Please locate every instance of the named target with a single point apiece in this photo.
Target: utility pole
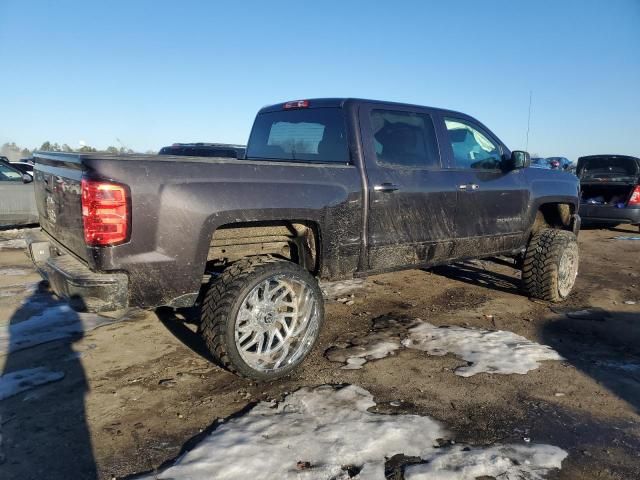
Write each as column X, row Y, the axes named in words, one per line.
column 528, row 121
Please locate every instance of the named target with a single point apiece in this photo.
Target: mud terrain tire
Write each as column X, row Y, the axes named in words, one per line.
column 256, row 311
column 550, row 265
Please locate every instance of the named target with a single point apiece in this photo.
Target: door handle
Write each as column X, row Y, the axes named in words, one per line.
column 471, row 186
column 462, row 187
column 385, row 187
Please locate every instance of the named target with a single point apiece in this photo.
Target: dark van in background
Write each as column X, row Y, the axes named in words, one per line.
column 610, row 187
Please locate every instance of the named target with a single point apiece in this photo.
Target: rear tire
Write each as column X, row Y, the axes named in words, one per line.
column 550, row 265
column 261, row 317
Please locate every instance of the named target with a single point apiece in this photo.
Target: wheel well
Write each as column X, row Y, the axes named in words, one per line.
column 297, row 241
column 553, row 215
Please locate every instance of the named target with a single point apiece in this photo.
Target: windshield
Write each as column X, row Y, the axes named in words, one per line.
column 608, row 167
column 304, row 135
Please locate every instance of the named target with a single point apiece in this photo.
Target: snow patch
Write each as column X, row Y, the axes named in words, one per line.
column 13, row 244
column 332, row 290
column 54, row 323
column 486, row 350
column 22, row 380
column 508, row 462
column 16, row 271
column 317, row 433
column 8, row 293
column 383, row 340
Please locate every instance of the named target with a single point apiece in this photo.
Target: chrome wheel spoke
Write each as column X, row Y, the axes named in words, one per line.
column 245, row 336
column 260, row 342
column 279, row 295
column 567, row 271
column 252, row 298
column 283, row 356
column 250, row 344
column 283, row 322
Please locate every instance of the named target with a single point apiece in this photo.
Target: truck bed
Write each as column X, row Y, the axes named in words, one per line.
column 177, row 202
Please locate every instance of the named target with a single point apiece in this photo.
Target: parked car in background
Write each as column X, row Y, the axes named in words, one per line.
column 561, row 163
column 610, row 186
column 17, row 199
column 4, row 159
column 220, row 150
column 23, row 166
column 330, row 189
column 539, row 162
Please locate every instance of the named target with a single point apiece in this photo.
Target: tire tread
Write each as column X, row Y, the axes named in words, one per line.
column 540, row 265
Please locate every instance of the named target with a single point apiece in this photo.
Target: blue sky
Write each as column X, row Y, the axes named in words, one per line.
column 150, row 73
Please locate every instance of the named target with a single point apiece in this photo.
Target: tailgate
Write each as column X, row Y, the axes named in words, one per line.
column 57, row 184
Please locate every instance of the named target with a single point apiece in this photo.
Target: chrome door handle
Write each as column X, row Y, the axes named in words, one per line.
column 385, row 187
column 474, row 186
column 462, row 187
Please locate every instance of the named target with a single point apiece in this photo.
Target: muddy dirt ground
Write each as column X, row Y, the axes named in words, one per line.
column 138, row 392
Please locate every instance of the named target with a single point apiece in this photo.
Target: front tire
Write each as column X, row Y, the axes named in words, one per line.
column 550, row 265
column 262, row 316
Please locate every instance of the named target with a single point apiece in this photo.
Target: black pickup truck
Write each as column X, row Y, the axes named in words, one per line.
column 328, row 189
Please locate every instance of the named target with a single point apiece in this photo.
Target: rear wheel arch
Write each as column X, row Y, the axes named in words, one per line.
column 298, row 241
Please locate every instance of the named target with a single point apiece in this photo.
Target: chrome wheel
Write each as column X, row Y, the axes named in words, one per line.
column 567, row 270
column 276, row 323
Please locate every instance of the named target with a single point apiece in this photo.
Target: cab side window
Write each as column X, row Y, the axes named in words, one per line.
column 471, row 148
column 404, row 139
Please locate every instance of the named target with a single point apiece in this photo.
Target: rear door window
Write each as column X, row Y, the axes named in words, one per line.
column 404, row 139
column 305, row 135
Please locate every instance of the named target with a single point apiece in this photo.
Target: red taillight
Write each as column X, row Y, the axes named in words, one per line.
column 634, row 199
column 105, row 213
column 296, row 104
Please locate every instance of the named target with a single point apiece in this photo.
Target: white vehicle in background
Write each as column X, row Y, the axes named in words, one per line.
column 24, row 165
column 17, row 197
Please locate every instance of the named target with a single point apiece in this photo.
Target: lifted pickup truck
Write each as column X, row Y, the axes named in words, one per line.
column 329, row 189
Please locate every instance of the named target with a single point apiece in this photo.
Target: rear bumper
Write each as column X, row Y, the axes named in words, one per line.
column 609, row 214
column 72, row 280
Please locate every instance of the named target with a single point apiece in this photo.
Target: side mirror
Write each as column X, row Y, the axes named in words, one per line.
column 518, row 159
column 26, row 178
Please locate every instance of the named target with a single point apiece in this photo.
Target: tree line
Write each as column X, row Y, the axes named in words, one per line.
column 14, row 152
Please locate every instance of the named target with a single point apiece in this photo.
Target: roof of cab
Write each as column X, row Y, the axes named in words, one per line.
column 339, row 103
column 313, row 103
